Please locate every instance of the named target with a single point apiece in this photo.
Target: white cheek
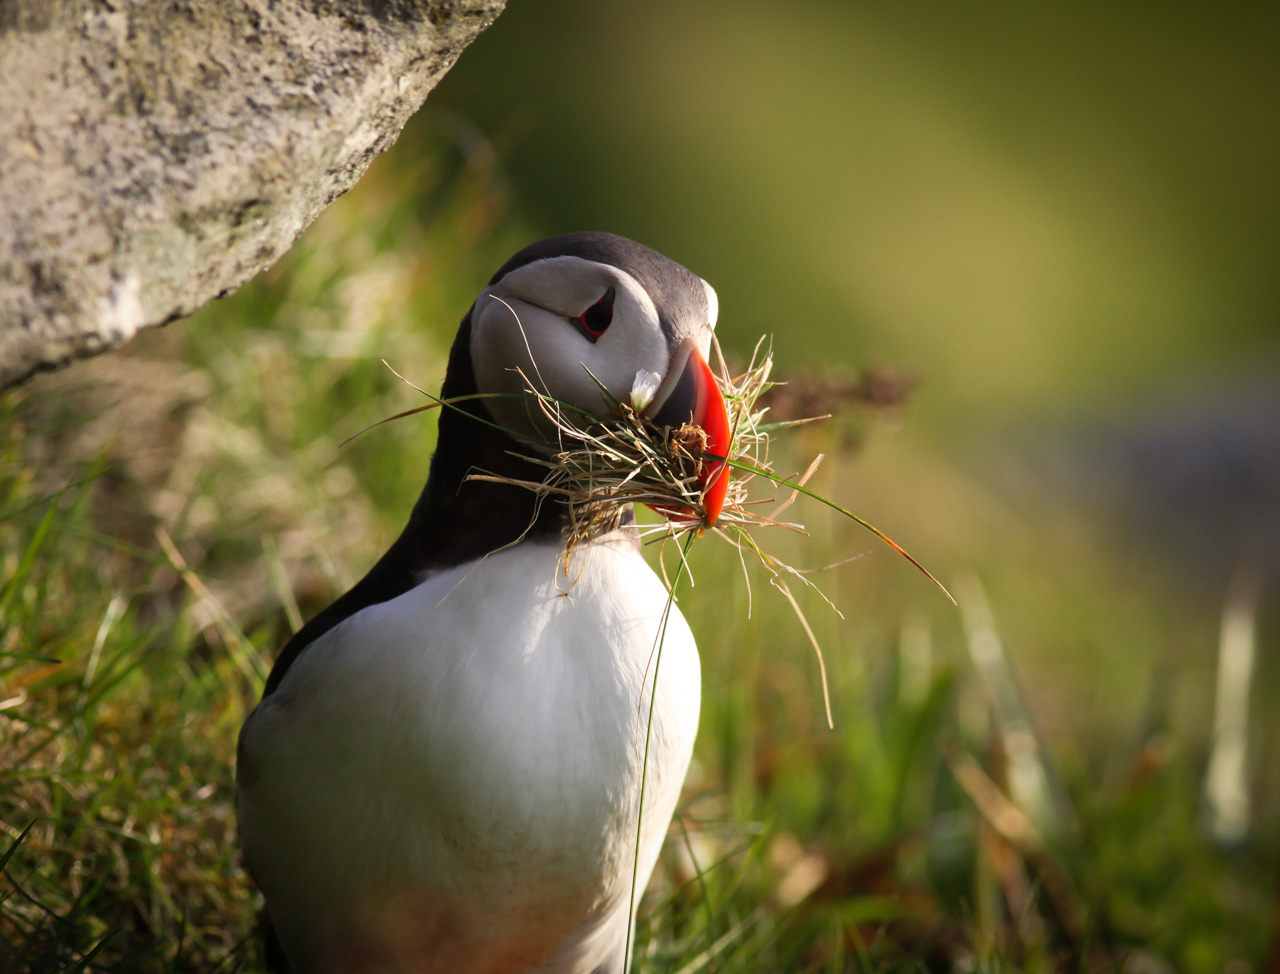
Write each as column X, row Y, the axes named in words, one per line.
column 515, row 346
column 628, row 346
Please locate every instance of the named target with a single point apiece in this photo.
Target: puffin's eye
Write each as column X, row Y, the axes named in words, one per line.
column 598, row 317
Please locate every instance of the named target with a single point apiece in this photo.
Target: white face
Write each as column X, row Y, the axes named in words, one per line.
column 526, row 323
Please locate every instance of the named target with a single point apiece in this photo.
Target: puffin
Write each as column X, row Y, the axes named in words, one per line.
column 444, row 773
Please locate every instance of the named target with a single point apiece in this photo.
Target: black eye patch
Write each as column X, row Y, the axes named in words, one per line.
column 596, row 319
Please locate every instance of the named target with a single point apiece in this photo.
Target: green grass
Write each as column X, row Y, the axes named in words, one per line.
column 920, row 834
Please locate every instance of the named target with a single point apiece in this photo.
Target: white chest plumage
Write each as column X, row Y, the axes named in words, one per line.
column 448, row 781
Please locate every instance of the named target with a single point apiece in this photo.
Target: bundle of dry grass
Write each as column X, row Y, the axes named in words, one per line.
column 600, row 465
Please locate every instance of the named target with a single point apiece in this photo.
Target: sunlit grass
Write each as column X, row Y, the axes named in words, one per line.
column 117, row 733
column 167, row 518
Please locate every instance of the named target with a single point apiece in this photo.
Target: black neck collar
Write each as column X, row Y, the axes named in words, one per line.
column 457, row 520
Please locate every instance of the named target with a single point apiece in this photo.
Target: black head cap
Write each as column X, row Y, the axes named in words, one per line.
column 679, row 294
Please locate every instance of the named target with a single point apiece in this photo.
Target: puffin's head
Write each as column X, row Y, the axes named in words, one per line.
column 571, row 314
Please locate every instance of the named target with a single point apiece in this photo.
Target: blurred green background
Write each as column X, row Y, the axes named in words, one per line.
column 1048, row 207
column 1056, row 224
column 1063, row 220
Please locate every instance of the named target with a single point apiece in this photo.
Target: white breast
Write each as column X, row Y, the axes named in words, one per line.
column 452, row 776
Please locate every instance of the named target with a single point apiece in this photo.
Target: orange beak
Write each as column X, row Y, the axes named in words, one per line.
column 689, row 394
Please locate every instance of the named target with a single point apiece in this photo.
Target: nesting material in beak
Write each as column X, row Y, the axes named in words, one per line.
column 667, row 445
column 689, row 405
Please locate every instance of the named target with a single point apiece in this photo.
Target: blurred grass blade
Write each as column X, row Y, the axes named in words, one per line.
column 1226, row 785
column 280, row 580
column 97, row 949
column 702, row 961
column 15, row 581
column 13, row 846
column 35, row 657
column 241, row 650
column 1030, row 783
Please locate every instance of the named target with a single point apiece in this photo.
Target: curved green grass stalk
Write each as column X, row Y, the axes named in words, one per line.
column 770, row 475
column 644, row 764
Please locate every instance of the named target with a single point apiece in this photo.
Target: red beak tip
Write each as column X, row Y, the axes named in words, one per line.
column 713, row 494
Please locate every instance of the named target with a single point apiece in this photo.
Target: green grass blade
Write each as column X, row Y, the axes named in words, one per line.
column 13, row 846
column 648, row 737
column 10, row 590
